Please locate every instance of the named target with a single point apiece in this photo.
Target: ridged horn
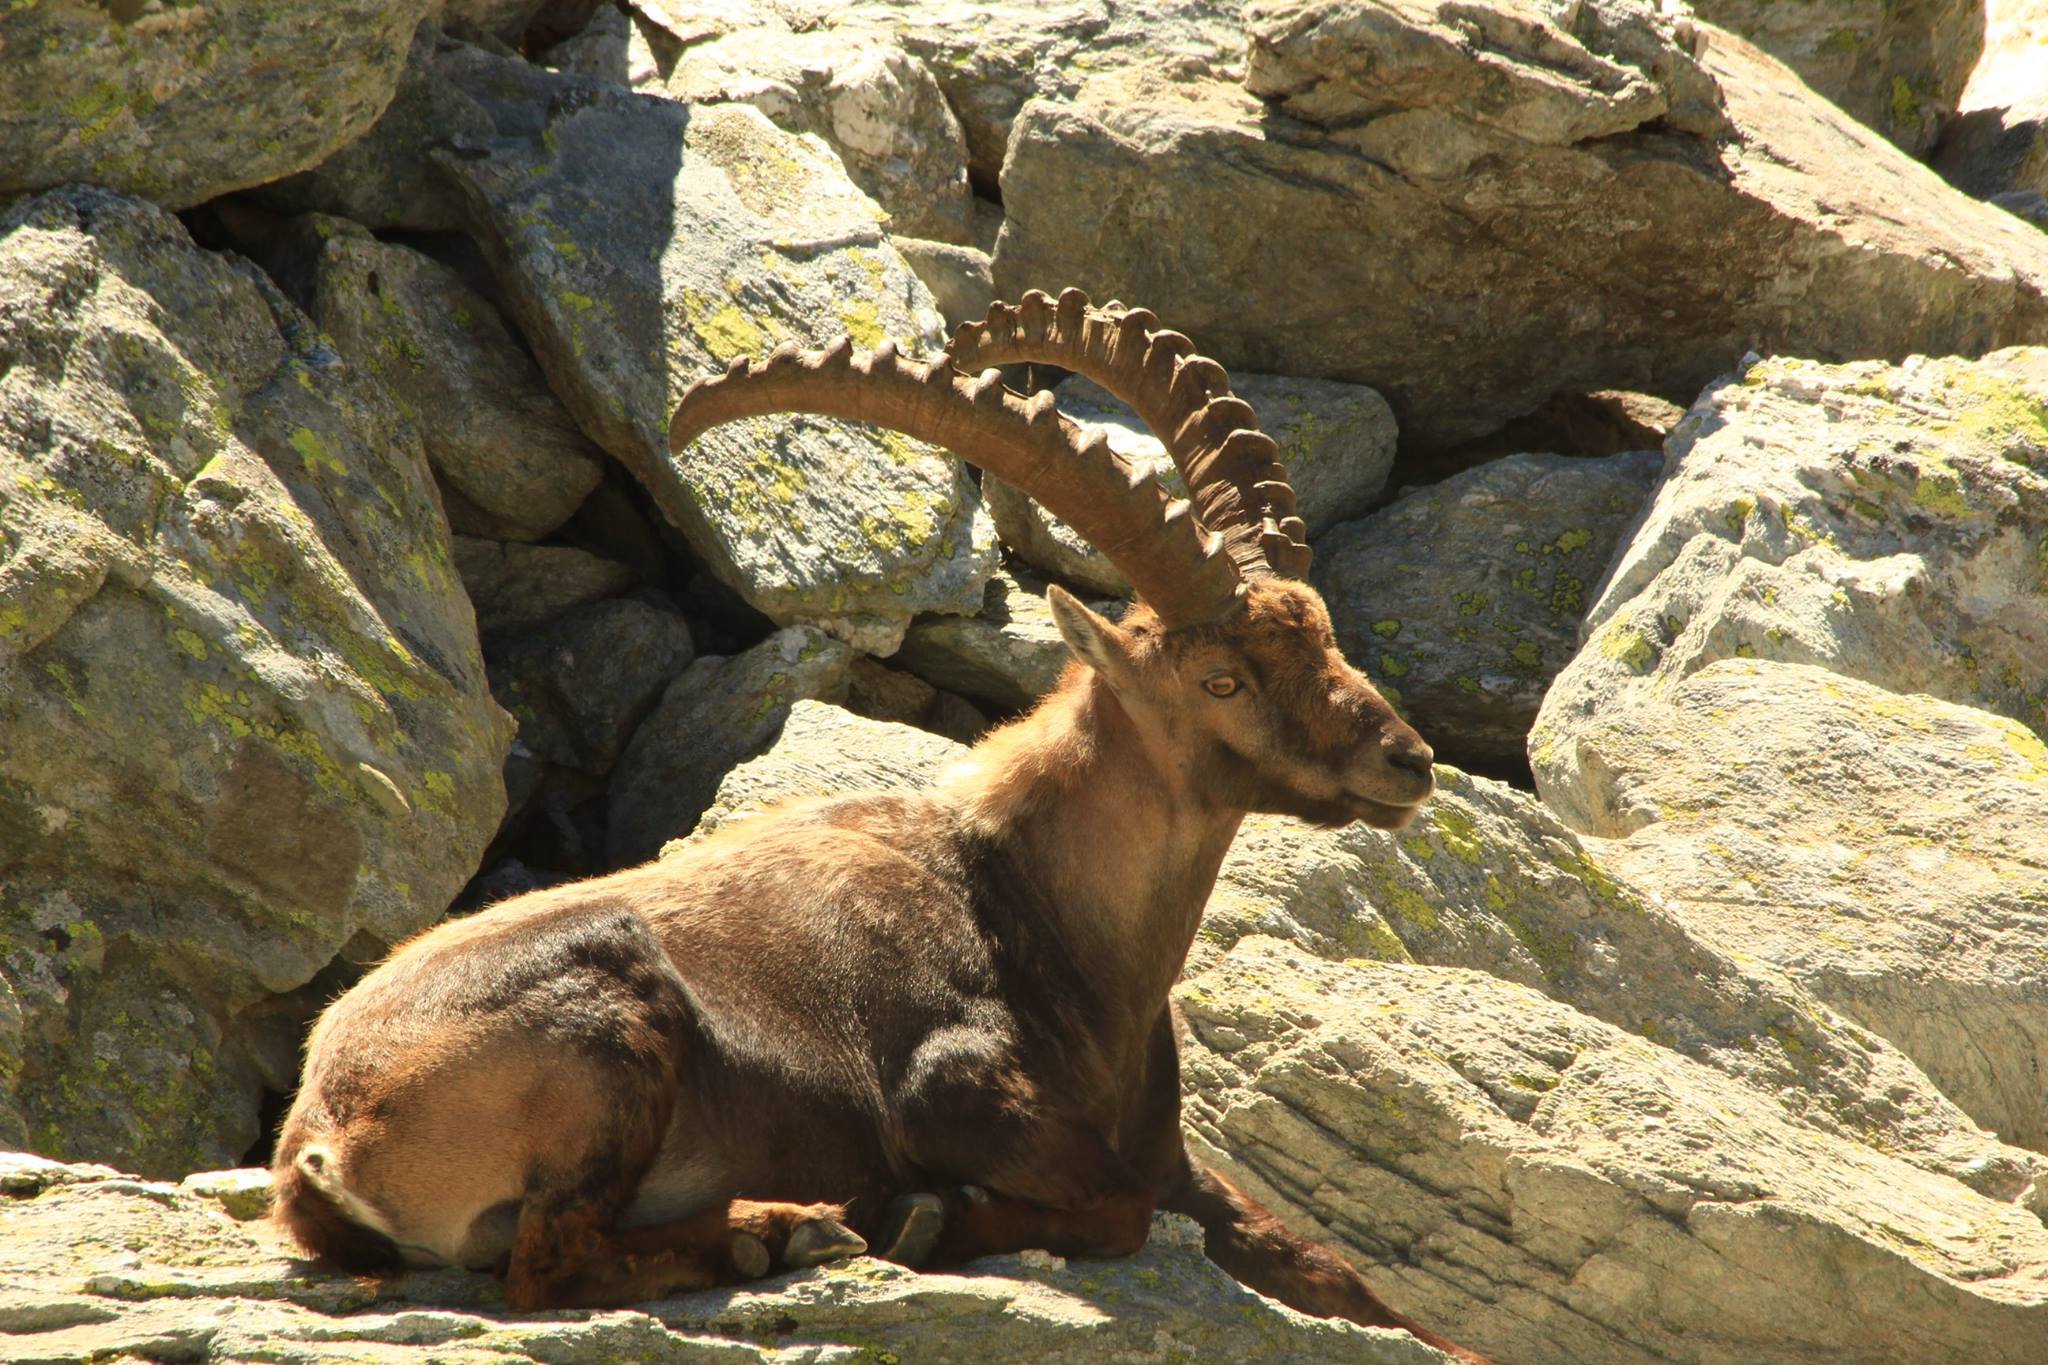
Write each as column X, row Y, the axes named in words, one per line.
column 1233, row 470
column 1154, row 539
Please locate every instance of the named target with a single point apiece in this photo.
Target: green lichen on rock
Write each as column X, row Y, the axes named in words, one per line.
column 654, row 297
column 183, row 102
column 236, row 663
column 1522, row 536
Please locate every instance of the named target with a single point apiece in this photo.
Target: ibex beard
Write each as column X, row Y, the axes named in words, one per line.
column 933, row 1023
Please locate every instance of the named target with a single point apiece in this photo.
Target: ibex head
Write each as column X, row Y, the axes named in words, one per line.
column 1261, row 705
column 1228, row 657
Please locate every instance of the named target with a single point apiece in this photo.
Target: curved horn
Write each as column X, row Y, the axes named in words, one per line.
column 1233, row 469
column 1153, row 539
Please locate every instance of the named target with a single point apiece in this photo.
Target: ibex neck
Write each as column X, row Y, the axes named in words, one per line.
column 1122, row 841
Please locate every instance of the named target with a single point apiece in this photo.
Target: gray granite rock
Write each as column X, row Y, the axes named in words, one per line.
column 243, row 717
column 182, row 102
column 1464, row 598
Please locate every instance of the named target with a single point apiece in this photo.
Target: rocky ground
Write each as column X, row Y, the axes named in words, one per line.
column 1666, row 386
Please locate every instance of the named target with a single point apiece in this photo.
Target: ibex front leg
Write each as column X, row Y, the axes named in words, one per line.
column 1259, row 1251
column 1013, row 1172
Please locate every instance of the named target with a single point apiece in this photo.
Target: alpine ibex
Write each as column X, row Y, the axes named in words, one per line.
column 936, row 1023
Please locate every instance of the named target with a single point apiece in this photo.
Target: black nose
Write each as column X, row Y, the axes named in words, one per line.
column 1410, row 755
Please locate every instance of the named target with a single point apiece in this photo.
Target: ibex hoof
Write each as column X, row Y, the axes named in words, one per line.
column 749, row 1255
column 914, row 1224
column 820, row 1240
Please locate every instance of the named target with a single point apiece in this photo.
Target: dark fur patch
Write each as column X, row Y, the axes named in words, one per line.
column 318, row 1225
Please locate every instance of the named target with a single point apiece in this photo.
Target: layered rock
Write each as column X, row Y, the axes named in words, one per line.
column 1549, row 1188
column 244, row 723
column 1470, row 209
column 1899, row 68
column 99, row 1265
column 1804, row 701
column 1522, row 543
column 1336, row 440
column 182, row 102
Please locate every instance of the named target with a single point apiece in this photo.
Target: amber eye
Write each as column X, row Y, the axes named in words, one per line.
column 1220, row 684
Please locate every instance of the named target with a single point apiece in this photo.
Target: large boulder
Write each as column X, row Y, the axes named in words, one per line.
column 1463, row 599
column 1337, row 441
column 1885, row 522
column 243, row 720
column 1997, row 145
column 1553, row 1189
column 97, row 1265
column 1471, row 207
column 1900, row 68
column 1883, row 849
column 988, row 56
column 180, row 102
column 1851, row 559
column 642, row 245
column 510, row 459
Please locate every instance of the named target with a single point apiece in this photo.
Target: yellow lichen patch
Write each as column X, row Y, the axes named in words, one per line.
column 315, row 453
column 1627, row 647
column 863, row 322
column 1459, row 833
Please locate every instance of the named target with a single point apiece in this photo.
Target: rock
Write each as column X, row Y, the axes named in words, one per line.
column 1523, row 541
column 1673, row 1031
column 451, row 95
column 1603, row 422
column 991, row 56
column 721, row 710
column 874, row 103
column 1883, row 849
column 516, row 586
column 183, row 102
column 1337, row 441
column 243, row 718
column 244, row 1193
column 109, row 1266
column 1898, row 68
column 958, row 277
column 580, row 684
column 2030, row 205
column 825, row 750
column 1007, row 657
column 1884, row 522
column 1549, row 1188
column 501, row 19
column 1863, row 533
column 880, row 692
column 512, row 459
column 1998, row 142
column 1596, row 208
column 642, row 245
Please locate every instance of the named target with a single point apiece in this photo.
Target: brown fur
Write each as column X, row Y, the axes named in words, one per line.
column 646, row 1081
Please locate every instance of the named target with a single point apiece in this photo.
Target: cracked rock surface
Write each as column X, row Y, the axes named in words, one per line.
column 97, row 1265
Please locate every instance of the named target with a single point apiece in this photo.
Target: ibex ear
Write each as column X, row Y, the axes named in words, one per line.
column 1094, row 640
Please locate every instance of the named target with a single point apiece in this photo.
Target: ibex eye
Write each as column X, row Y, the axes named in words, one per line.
column 1220, row 684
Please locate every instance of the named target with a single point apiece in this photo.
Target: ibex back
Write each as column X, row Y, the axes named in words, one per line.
column 938, row 1022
